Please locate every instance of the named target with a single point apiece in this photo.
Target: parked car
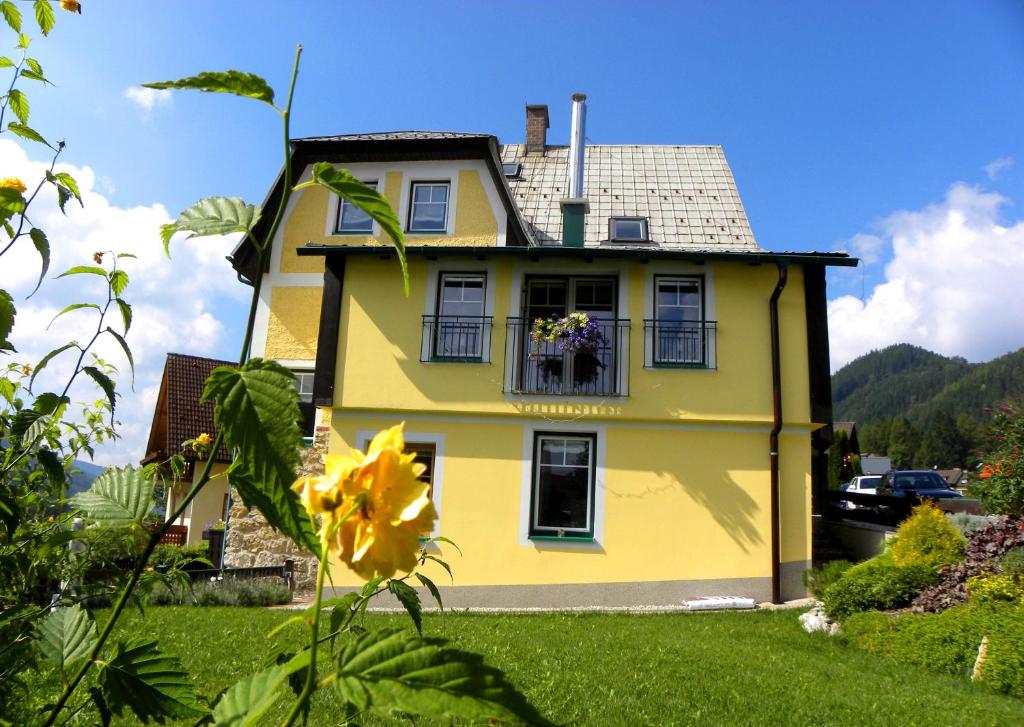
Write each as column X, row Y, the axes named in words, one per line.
column 861, row 484
column 922, row 483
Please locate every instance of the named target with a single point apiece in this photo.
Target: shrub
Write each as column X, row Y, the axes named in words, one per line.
column 1013, row 562
column 948, row 642
column 995, row 589
column 986, row 547
column 965, row 522
column 816, row 580
column 928, row 538
column 176, row 556
column 875, row 584
column 999, row 483
column 228, row 592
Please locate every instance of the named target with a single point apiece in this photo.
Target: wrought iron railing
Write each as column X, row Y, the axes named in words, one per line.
column 679, row 344
column 545, row 367
column 457, row 338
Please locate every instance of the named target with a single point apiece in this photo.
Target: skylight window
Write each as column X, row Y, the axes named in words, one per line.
column 628, row 229
column 511, row 170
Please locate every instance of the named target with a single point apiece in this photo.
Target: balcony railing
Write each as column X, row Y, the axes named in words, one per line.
column 545, row 368
column 457, row 338
column 679, row 344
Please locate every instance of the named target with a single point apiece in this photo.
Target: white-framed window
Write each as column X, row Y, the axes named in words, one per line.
column 679, row 326
column 627, row 229
column 304, row 385
column 428, row 207
column 562, row 496
column 459, row 332
column 352, row 220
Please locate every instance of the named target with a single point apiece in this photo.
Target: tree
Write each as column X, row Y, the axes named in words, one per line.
column 942, row 446
column 904, row 441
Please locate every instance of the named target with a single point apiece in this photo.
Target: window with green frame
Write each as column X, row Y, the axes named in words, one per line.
column 562, row 494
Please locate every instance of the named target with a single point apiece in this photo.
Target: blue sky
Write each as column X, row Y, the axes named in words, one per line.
column 865, row 126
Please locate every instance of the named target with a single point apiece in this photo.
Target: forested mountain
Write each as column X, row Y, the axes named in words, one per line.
column 920, row 408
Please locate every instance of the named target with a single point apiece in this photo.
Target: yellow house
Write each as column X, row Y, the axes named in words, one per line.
column 662, row 447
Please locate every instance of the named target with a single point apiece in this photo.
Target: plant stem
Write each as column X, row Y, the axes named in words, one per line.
column 307, row 690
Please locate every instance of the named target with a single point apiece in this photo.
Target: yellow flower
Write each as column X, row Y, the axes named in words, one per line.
column 26, row 369
column 374, row 507
column 72, row 6
column 203, row 440
column 13, row 183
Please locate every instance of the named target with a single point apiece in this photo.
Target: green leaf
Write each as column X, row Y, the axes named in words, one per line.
column 393, row 670
column 33, row 65
column 6, row 62
column 239, row 83
column 11, row 202
column 29, row 73
column 7, row 314
column 21, row 422
column 47, row 358
column 23, row 41
column 51, row 404
column 68, row 181
column 370, row 201
column 127, row 351
column 11, row 14
column 408, row 597
column 126, row 313
column 104, row 382
column 101, row 706
column 84, row 270
column 66, row 634
column 149, row 682
column 19, row 105
column 119, row 497
column 53, row 466
column 118, row 281
column 36, row 429
column 212, row 216
column 249, row 699
column 44, row 16
column 43, row 248
column 72, row 307
column 26, row 132
column 430, row 586
column 428, row 556
column 257, row 409
column 442, row 539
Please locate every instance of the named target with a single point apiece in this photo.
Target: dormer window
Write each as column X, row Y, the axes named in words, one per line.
column 429, row 209
column 351, row 219
column 627, row 229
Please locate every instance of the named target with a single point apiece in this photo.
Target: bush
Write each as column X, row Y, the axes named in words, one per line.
column 1013, row 562
column 176, row 556
column 999, row 483
column 228, row 592
column 816, row 580
column 965, row 522
column 995, row 589
column 928, row 538
column 876, row 584
column 948, row 642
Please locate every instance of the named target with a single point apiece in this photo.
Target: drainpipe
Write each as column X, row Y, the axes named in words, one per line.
column 773, row 437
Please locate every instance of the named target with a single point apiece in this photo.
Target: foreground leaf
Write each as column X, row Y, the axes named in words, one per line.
column 408, row 597
column 11, row 14
column 19, row 105
column 239, row 83
column 104, row 382
column 394, row 670
column 246, row 701
column 118, row 497
column 432, row 587
column 47, row 358
column 257, row 409
column 124, row 347
column 44, row 16
column 27, row 132
column 66, row 634
column 212, row 216
column 370, row 201
column 7, row 313
column 150, row 683
column 42, row 246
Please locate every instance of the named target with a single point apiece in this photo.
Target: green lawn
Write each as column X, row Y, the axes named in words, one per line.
column 601, row 669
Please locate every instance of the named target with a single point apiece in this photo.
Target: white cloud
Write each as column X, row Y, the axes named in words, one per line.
column 867, row 247
column 184, row 304
column 996, row 167
column 148, row 99
column 952, row 285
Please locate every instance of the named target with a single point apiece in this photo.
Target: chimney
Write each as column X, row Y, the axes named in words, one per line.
column 576, row 206
column 536, row 127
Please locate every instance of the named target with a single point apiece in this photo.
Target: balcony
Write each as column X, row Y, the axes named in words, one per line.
column 462, row 339
column 679, row 344
column 545, row 368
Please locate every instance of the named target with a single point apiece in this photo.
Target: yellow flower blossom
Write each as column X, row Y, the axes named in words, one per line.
column 204, row 439
column 26, row 369
column 13, row 183
column 72, row 6
column 373, row 506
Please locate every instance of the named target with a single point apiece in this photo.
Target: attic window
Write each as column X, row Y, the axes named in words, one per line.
column 511, row 170
column 627, row 229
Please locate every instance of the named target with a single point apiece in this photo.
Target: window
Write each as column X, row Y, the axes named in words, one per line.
column 353, row 220
column 428, row 210
column 511, row 170
column 304, row 385
column 460, row 317
column 562, row 498
column 628, row 229
column 679, row 325
column 424, row 455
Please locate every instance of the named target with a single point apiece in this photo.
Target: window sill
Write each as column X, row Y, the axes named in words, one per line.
column 566, row 538
column 690, row 366
column 457, row 359
column 354, row 233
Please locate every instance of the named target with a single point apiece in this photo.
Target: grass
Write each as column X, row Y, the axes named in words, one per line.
column 618, row 669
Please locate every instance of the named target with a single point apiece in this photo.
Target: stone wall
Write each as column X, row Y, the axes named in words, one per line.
column 251, row 542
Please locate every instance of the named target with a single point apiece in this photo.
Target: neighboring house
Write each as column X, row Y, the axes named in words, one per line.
column 675, row 459
column 179, row 417
column 875, row 464
column 955, row 478
column 850, row 429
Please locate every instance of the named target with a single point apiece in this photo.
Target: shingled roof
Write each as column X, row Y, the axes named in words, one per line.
column 179, row 415
column 687, row 194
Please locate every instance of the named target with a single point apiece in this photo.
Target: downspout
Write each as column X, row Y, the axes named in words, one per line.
column 773, row 437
